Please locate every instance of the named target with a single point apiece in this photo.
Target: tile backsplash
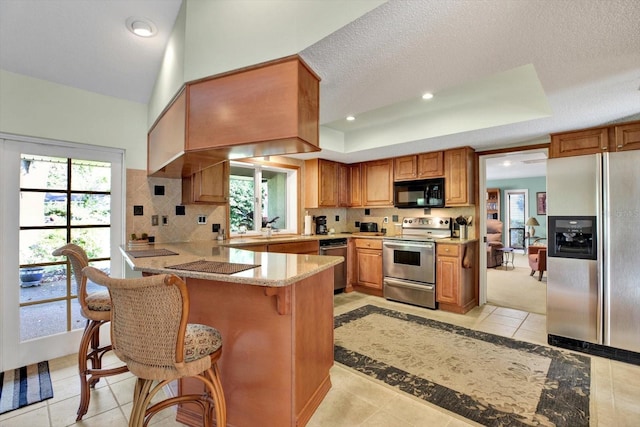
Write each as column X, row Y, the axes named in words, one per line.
column 163, row 197
column 348, row 217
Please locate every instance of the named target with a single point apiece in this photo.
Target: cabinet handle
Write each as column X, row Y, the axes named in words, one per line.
column 604, row 148
column 620, row 146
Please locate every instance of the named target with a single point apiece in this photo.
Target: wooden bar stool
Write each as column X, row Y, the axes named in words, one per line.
column 96, row 308
column 151, row 335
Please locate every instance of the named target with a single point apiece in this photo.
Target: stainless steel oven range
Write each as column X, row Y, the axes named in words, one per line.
column 409, row 260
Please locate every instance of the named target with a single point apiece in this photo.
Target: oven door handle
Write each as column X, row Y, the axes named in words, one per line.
column 408, row 245
column 409, row 284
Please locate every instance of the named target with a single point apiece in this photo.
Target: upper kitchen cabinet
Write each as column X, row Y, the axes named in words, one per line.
column 405, row 168
column 268, row 109
column 355, row 185
column 321, row 183
column 458, row 177
column 344, row 185
column 620, row 137
column 577, row 143
column 627, row 136
column 420, row 166
column 377, row 183
column 207, row 186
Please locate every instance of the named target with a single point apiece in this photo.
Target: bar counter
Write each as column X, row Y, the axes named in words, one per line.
column 276, row 322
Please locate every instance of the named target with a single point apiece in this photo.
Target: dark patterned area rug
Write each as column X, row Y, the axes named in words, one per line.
column 493, row 380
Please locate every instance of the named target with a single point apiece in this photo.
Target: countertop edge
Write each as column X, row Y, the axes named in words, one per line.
column 240, row 277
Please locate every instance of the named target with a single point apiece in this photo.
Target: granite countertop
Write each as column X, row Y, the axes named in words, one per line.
column 273, row 269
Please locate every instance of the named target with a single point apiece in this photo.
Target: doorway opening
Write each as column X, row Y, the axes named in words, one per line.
column 515, row 177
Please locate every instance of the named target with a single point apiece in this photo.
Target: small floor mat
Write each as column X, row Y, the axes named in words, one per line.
column 150, row 253
column 24, row 386
column 214, row 267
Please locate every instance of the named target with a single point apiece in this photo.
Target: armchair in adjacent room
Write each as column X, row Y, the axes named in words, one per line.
column 537, row 260
column 494, row 242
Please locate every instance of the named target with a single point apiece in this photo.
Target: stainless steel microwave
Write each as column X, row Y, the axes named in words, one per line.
column 428, row 193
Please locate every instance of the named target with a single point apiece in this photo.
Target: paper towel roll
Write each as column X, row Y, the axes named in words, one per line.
column 307, row 225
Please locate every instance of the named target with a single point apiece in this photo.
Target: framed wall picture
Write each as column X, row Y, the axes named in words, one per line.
column 541, row 203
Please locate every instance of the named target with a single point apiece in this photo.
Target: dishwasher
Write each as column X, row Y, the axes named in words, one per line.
column 336, row 247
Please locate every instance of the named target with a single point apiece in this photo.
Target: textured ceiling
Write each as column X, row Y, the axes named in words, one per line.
column 582, row 62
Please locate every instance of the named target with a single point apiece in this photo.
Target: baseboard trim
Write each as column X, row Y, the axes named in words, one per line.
column 595, row 349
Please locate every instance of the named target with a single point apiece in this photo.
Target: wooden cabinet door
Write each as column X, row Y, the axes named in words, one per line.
column 447, row 280
column 355, row 185
column 327, row 185
column 377, row 178
column 431, row 165
column 369, row 268
column 627, row 137
column 578, row 143
column 405, row 168
column 208, row 186
column 320, row 183
column 458, row 183
column 344, row 185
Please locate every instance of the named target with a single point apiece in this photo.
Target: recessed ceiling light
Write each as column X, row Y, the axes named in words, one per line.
column 427, row 95
column 350, row 118
column 141, row 26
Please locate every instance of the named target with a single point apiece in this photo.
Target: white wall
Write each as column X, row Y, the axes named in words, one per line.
column 33, row 107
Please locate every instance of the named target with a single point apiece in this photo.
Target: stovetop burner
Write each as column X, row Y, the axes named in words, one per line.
column 426, row 228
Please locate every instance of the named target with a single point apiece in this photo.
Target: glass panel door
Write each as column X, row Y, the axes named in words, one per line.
column 53, row 195
column 516, row 217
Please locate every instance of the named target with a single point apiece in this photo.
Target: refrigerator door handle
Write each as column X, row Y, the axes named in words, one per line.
column 603, row 229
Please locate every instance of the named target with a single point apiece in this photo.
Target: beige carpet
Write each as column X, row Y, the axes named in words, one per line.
column 493, row 380
column 515, row 288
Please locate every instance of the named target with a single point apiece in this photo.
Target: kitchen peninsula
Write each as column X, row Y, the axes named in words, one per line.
column 276, row 320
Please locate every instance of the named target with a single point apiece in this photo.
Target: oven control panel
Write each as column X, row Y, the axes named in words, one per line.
column 427, row 222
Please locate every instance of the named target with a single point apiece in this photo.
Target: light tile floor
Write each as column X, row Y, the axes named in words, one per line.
column 354, row 400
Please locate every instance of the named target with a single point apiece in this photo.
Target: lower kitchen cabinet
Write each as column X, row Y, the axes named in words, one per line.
column 310, row 247
column 368, row 277
column 456, row 282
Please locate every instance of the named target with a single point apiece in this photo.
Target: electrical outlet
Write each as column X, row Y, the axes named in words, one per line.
column 202, row 219
column 357, row 223
column 385, row 220
column 165, row 220
column 215, row 228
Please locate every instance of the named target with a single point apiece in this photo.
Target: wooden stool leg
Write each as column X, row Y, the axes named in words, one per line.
column 85, row 392
column 213, row 374
column 140, row 396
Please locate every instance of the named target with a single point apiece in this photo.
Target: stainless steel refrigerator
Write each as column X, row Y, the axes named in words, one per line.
column 593, row 281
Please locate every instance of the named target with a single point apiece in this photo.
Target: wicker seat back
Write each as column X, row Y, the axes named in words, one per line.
column 96, row 308
column 148, row 324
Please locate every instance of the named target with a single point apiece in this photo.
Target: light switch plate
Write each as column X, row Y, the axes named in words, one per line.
column 154, row 220
column 165, row 220
column 202, row 219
